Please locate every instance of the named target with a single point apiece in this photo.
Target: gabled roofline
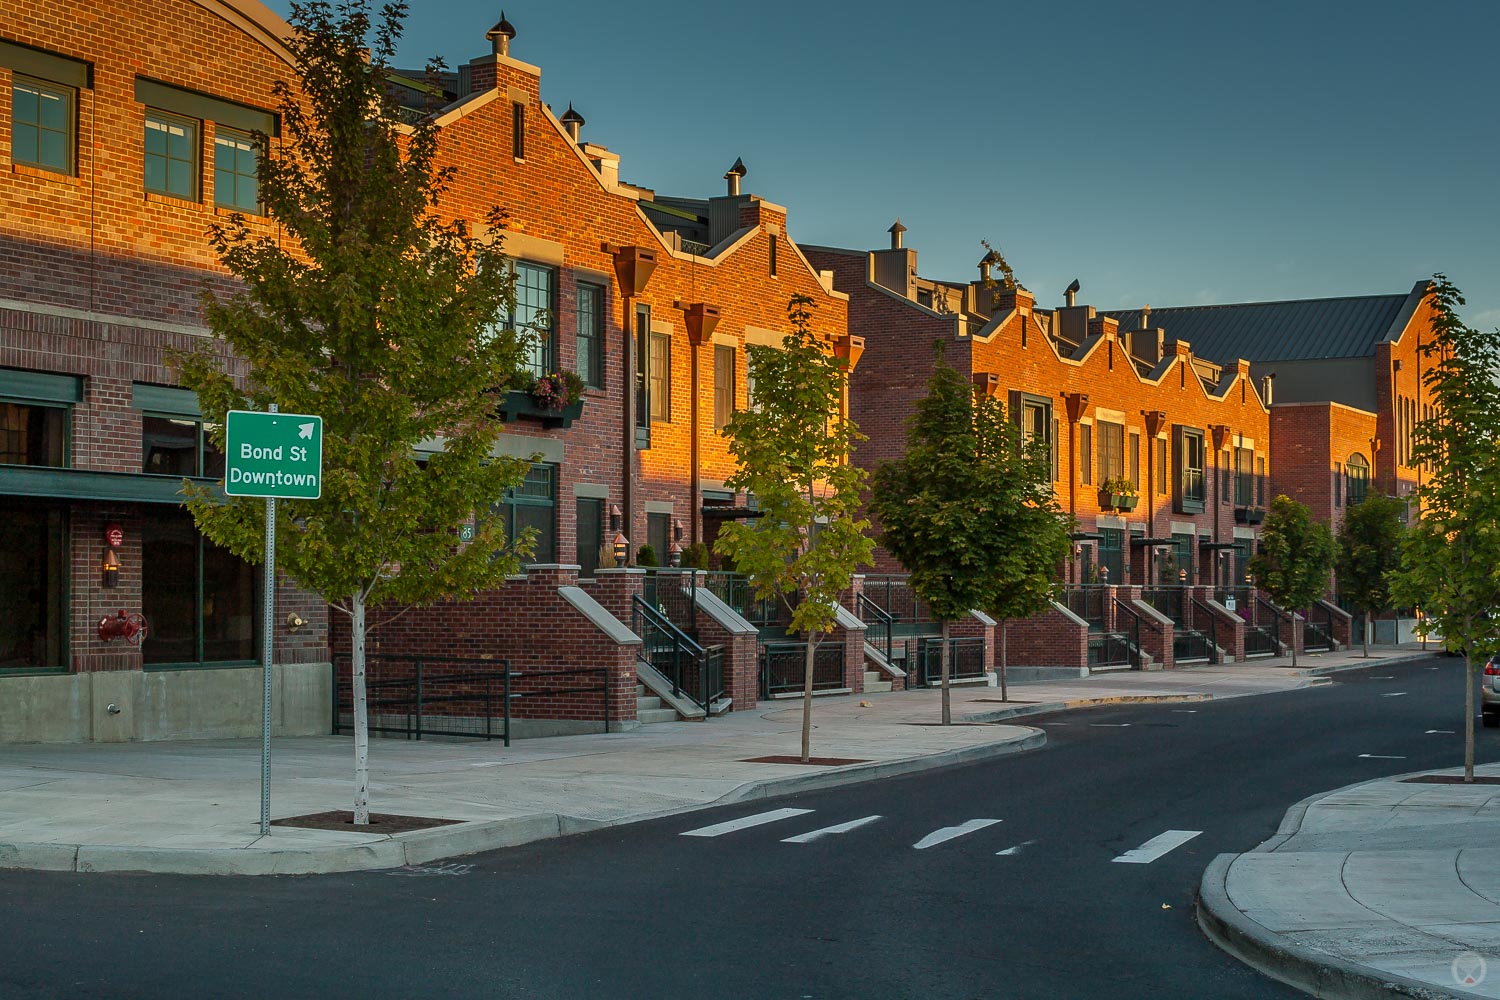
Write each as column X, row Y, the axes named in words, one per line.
column 1408, row 310
column 256, row 20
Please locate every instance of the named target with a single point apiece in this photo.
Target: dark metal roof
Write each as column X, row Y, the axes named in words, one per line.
column 1301, row 330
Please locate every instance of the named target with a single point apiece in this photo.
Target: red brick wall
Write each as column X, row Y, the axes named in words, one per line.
column 1051, row 639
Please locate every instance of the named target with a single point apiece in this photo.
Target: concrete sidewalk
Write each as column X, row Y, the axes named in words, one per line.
column 1384, row 888
column 192, row 807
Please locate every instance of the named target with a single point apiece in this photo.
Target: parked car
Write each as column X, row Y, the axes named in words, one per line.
column 1489, row 692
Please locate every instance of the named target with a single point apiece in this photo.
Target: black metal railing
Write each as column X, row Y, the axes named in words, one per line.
column 893, row 594
column 1110, row 649
column 1205, row 616
column 671, row 593
column 695, row 673
column 1240, row 600
column 1317, row 630
column 878, row 625
column 1169, row 600
column 1128, row 625
column 1087, row 601
column 1263, row 628
column 735, row 590
column 783, row 667
column 965, row 659
column 445, row 696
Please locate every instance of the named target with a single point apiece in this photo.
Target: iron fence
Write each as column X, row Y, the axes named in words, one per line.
column 965, row 659
column 783, row 667
column 735, row 590
column 1317, row 630
column 893, row 594
column 1087, row 601
column 1110, row 649
column 671, row 593
column 1205, row 615
column 1170, row 601
column 695, row 673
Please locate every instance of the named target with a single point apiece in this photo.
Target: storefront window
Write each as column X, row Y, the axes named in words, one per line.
column 33, row 588
column 198, row 597
column 179, row 446
column 31, row 434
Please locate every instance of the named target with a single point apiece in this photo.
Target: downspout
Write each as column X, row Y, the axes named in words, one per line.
column 627, row 456
column 1075, row 403
column 1220, row 434
column 694, row 507
column 1155, row 421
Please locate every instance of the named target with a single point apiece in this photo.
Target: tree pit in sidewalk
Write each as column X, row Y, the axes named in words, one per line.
column 1452, row 779
column 343, row 820
column 794, row 759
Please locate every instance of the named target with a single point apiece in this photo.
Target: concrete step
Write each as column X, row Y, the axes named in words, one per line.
column 646, row 702
column 875, row 681
column 640, row 689
column 652, row 715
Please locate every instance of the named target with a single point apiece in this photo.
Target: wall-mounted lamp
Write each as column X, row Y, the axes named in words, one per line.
column 294, row 621
column 614, row 517
column 622, row 548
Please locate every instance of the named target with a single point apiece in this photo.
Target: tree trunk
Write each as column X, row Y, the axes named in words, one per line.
column 943, row 667
column 1291, row 633
column 1004, row 624
column 1364, row 634
column 807, row 690
column 361, row 715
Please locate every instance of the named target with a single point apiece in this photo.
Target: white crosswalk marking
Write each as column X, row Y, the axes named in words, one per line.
column 948, row 833
column 809, row 837
column 1012, row 851
column 1157, row 846
column 745, row 822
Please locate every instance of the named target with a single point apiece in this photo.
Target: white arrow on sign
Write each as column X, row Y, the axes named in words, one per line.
column 305, row 430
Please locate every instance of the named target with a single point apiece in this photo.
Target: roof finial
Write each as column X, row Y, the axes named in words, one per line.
column 896, row 230
column 572, row 121
column 734, row 174
column 500, row 36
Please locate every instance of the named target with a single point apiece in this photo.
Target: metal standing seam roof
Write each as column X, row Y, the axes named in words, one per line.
column 1299, row 330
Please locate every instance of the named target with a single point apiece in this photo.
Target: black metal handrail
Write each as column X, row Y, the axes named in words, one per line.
column 893, row 594
column 1202, row 612
column 1128, row 626
column 877, row 622
column 694, row 672
column 671, row 591
column 1318, row 631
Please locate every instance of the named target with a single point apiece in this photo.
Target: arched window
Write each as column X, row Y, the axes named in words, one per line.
column 1358, row 471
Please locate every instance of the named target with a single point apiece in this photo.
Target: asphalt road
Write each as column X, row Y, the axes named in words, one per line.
column 644, row 911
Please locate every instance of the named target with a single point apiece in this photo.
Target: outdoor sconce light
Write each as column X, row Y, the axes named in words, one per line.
column 622, row 548
column 614, row 517
column 676, row 529
column 294, row 621
column 674, row 554
column 1104, row 573
column 1182, row 577
column 111, row 568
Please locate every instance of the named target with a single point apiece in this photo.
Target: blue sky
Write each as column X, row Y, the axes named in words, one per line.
column 1165, row 152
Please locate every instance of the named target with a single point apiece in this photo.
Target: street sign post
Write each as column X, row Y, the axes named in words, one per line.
column 277, row 456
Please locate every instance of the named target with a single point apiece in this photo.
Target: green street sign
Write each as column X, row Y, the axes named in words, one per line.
column 273, row 455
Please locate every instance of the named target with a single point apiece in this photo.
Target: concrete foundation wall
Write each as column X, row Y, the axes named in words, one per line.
column 164, row 705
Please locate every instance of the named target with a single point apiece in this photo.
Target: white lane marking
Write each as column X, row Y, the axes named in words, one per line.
column 1011, row 851
column 1445, row 732
column 1393, row 694
column 1184, row 711
column 948, row 833
column 807, row 838
column 1387, row 677
column 1109, row 725
column 1157, row 846
column 1380, row 756
column 745, row 822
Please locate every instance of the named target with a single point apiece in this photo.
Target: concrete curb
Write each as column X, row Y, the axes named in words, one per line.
column 423, row 846
column 1314, row 972
column 1043, row 708
column 1372, row 662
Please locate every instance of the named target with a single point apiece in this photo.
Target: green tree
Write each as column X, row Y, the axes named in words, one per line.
column 369, row 309
column 970, row 512
column 1295, row 555
column 792, row 449
column 1369, row 550
column 1450, row 562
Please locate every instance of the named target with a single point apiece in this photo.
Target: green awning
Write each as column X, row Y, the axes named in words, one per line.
column 84, row 484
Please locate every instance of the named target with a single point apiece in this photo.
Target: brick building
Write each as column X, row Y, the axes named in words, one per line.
column 122, row 137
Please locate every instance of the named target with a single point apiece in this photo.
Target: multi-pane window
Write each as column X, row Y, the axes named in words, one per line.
column 1111, row 451
column 723, row 385
column 236, row 182
column 1192, row 489
column 1037, row 427
column 42, row 116
column 1163, row 480
column 533, row 504
column 591, row 335
column 661, row 378
column 532, row 315
column 518, row 130
column 642, row 372
column 1086, row 453
column 1244, row 477
column 1112, row 555
column 1358, row 469
column 31, row 434
column 179, row 446
column 171, row 155
column 199, row 598
column 1135, row 460
column 1182, row 558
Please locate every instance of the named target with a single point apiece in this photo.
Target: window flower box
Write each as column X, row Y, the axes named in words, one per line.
column 519, row 404
column 1118, row 494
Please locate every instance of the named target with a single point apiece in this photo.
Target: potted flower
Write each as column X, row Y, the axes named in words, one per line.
column 1118, row 494
column 557, row 390
column 556, row 399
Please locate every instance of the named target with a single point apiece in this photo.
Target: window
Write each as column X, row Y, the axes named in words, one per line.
column 590, row 535
column 1163, row 479
column 33, row 607
column 723, row 385
column 1338, row 484
column 1111, row 451
column 533, row 504
column 1191, row 489
column 518, row 130
column 1358, row 469
column 1226, row 486
column 532, row 316
column 31, row 434
column 179, row 446
column 171, row 155
column 1112, row 555
column 236, row 184
column 659, row 536
column 1180, row 558
column 642, row 371
column 773, row 255
column 199, row 598
column 1086, row 453
column 1244, row 477
column 42, row 116
column 661, row 378
column 1037, row 425
column 591, row 335
column 1260, row 482
column 1135, row 460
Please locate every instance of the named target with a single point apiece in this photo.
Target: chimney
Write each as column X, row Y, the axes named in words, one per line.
column 1072, row 293
column 895, row 268
column 1146, row 316
column 1265, row 388
column 500, row 35
column 733, row 176
column 896, row 230
column 572, row 121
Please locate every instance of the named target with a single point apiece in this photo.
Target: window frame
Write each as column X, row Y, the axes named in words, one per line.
column 200, row 541
column 659, row 395
column 1357, row 471
column 1086, row 454
column 1111, row 438
column 230, row 134
column 67, row 429
column 1244, row 476
column 507, row 505
column 69, row 96
column 202, row 444
column 518, row 131
column 724, row 393
column 590, row 337
column 1191, row 479
column 544, row 340
column 1031, row 410
column 195, row 143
